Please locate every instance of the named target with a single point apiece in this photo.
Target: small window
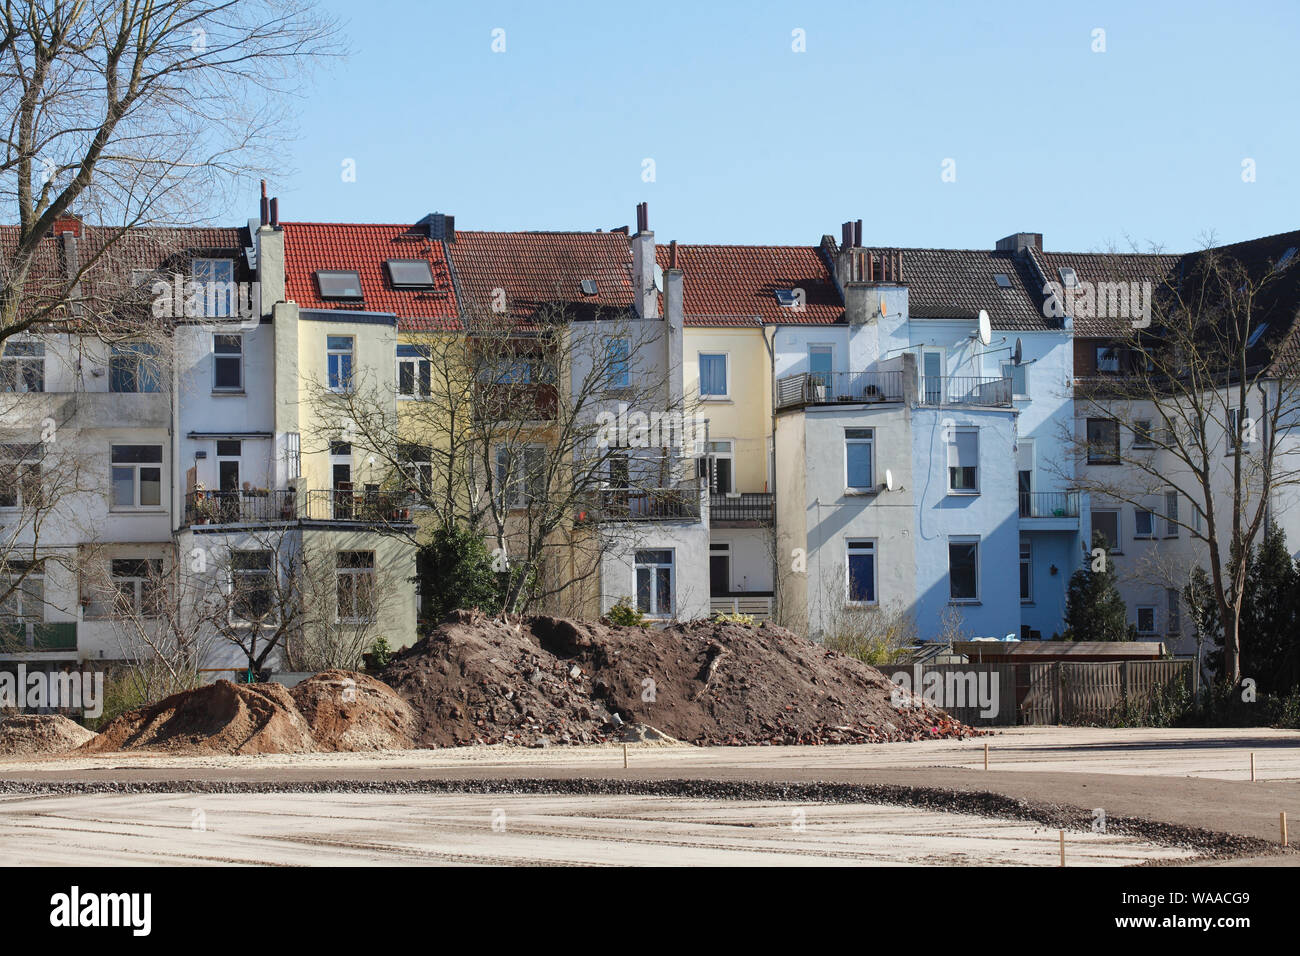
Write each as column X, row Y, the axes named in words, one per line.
column 858, row 452
column 1026, row 571
column 654, row 582
column 1142, row 523
column 617, row 351
column 356, row 585
column 1002, row 279
column 404, row 274
column 1107, row 359
column 787, row 298
column 1019, row 375
column 1173, row 615
column 1237, row 426
column 963, row 569
column 217, row 278
column 1146, row 620
column 22, row 366
column 1142, row 434
column 1068, row 277
column 136, row 476
column 339, row 284
column 589, row 287
column 338, row 350
column 521, row 475
column 134, row 368
column 415, row 463
column 1103, row 441
column 414, row 372
column 1171, row 514
column 861, row 563
column 252, row 586
column 713, row 375
column 1106, row 523
column 1285, row 259
column 20, row 476
column 1256, row 334
column 963, row 462
column 137, row 586
column 227, row 363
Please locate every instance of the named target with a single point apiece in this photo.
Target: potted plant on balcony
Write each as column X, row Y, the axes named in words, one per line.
column 204, row 507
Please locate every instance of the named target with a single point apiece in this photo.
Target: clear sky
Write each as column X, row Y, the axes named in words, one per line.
column 753, row 142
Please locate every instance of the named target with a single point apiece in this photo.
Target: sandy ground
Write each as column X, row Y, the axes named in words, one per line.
column 423, row 829
column 1186, row 778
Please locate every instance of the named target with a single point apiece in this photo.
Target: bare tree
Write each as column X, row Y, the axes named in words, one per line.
column 342, row 596
column 1207, row 385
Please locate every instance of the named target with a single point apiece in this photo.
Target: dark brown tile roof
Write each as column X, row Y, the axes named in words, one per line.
column 1098, row 267
column 729, row 285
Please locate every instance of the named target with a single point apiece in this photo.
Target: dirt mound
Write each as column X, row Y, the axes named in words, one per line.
column 219, row 718
column 35, row 734
column 543, row 680
column 348, row 711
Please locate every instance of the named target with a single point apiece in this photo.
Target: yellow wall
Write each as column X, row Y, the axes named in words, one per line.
column 745, row 416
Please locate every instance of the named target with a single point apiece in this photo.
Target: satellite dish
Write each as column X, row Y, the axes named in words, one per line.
column 1018, row 353
column 986, row 330
column 659, row 278
column 883, row 310
column 889, row 479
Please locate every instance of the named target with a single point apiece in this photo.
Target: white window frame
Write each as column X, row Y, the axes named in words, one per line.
column 331, row 352
column 726, row 376
column 708, row 469
column 204, row 272
column 415, row 361
column 965, row 539
column 1150, row 532
column 1009, row 371
column 948, row 453
column 273, row 571
column 139, row 586
column 238, row 358
column 870, row 441
column 515, row 494
column 31, row 355
column 654, row 610
column 354, row 576
column 23, row 470
column 623, row 381
column 820, row 348
column 862, row 546
column 136, row 467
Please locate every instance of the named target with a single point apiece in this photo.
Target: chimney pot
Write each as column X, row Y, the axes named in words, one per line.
column 857, row 233
column 275, row 211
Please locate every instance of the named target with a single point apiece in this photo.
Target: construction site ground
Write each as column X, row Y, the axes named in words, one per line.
column 1168, row 796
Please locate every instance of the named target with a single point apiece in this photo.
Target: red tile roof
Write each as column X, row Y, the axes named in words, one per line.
column 729, row 285
column 536, row 269
column 364, row 249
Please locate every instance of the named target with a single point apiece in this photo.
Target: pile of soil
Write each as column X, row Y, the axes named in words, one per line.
column 36, row 734
column 222, row 718
column 543, row 680
column 351, row 712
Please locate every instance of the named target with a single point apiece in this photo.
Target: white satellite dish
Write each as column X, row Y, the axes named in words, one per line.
column 659, row 278
column 986, row 330
column 889, row 480
column 1018, row 355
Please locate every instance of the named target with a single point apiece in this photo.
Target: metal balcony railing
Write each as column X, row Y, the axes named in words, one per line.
column 1049, row 504
column 239, row 507
column 333, row 504
column 824, row 388
column 964, row 390
column 645, row 504
column 759, row 508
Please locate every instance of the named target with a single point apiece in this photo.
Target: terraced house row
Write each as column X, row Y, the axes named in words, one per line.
column 787, row 431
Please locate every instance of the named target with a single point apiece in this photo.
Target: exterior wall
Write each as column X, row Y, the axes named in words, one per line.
column 745, row 416
column 690, row 546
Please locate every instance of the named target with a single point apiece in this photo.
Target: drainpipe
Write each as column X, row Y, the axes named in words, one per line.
column 771, row 395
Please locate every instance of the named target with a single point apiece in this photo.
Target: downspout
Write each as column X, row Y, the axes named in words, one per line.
column 771, row 397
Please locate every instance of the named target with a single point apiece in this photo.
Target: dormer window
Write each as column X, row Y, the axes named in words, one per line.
column 409, row 274
column 338, row 284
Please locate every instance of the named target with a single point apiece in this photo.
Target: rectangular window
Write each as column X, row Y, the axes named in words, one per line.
column 1236, row 424
column 820, row 362
column 356, row 585
column 858, row 452
column 217, row 278
column 1171, row 514
column 137, row 586
column 134, row 368
column 1103, row 441
column 25, row 603
column 1142, row 523
column 1107, row 523
column 521, row 475
column 339, row 284
column 414, row 376
column 617, row 354
column 338, row 349
column 716, row 466
column 137, row 476
column 713, row 375
column 1026, row 571
column 410, row 274
column 654, row 582
column 227, row 363
column 20, row 476
column 963, row 462
column 22, row 367
column 1142, row 434
column 1146, row 620
column 1019, row 375
column 416, row 463
column 252, row 586
column 1107, row 359
column 963, row 569
column 1173, row 615
column 861, row 562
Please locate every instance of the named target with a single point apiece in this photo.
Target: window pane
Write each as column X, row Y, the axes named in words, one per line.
column 150, row 486
column 961, row 569
column 664, row 591
column 132, row 454
column 643, row 589
column 859, row 464
column 124, row 487
column 1107, row 524
column 862, row 576
column 713, row 374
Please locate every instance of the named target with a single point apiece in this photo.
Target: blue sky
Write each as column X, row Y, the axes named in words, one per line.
column 755, row 143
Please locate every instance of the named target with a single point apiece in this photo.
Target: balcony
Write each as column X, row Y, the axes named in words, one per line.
column 1049, row 510
column 831, row 388
column 965, row 390
column 37, row 637
column 644, row 504
column 757, row 604
column 746, row 510
column 271, row 507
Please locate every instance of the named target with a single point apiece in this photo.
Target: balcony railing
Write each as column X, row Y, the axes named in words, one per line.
column 965, row 390
column 24, row 637
column 645, row 504
column 757, row 605
column 748, row 507
column 259, row 507
column 1049, row 504
column 824, row 388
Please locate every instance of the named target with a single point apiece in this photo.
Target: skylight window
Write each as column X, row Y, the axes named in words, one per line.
column 787, row 298
column 1257, row 334
column 589, row 287
column 1286, row 258
column 338, row 284
column 1068, row 278
column 1003, row 280
column 410, row 274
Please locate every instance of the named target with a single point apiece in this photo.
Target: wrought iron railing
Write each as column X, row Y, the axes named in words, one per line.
column 759, row 507
column 1049, row 504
